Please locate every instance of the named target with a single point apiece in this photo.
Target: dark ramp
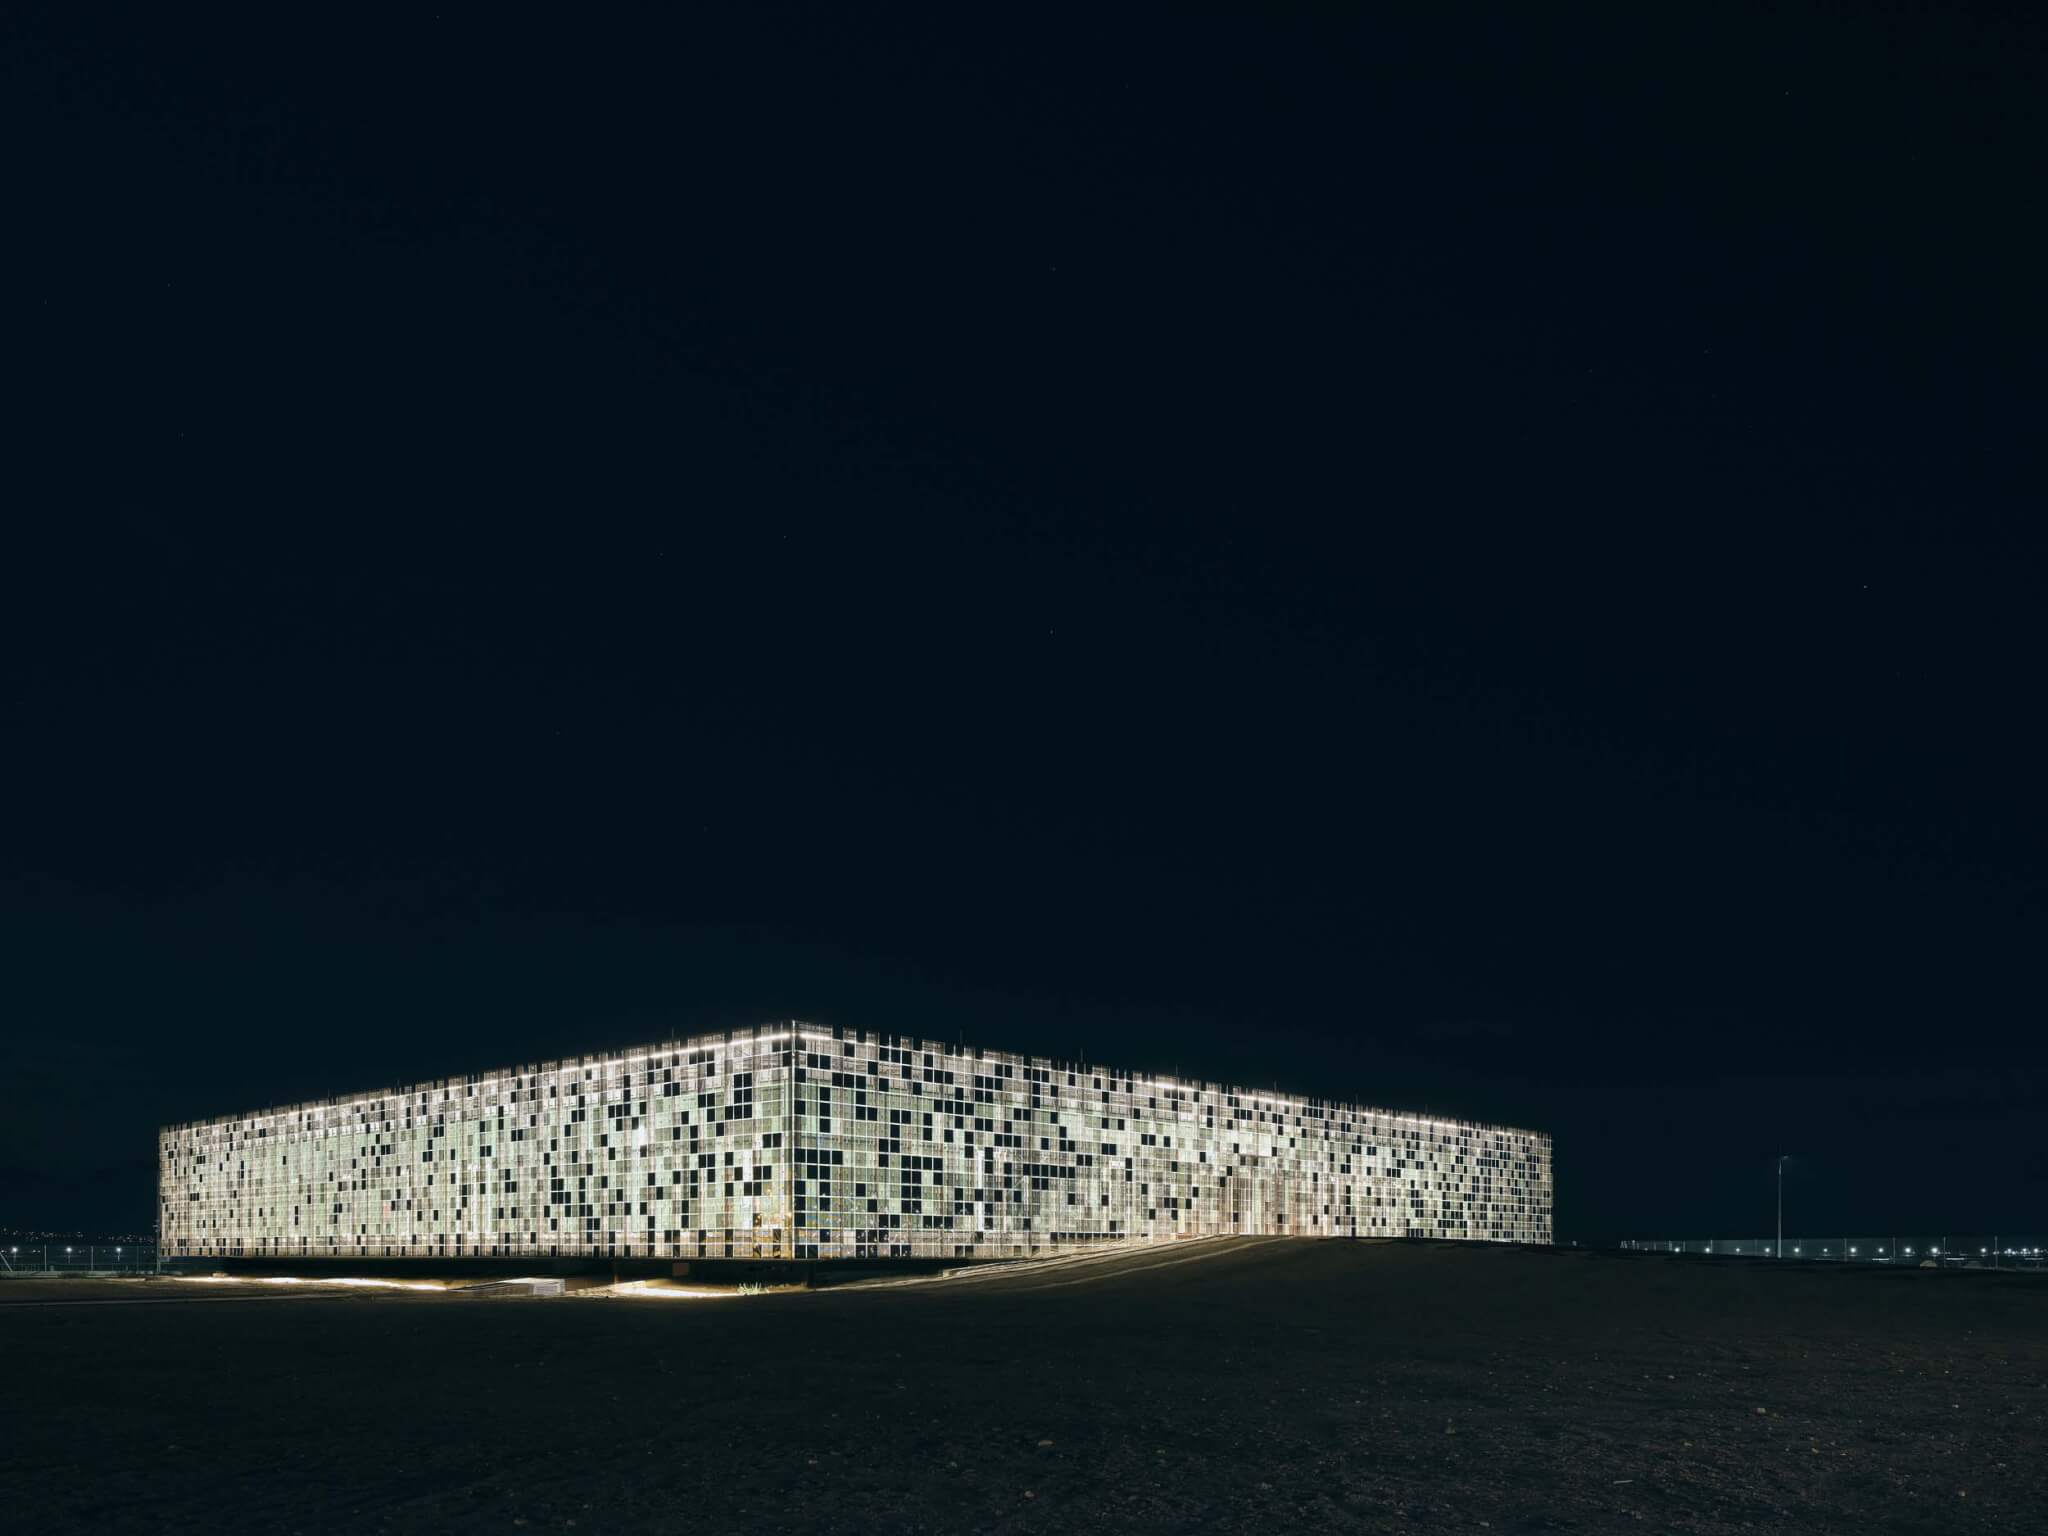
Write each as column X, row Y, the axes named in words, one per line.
column 1236, row 1387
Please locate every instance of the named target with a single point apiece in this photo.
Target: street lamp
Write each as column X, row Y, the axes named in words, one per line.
column 1779, row 1251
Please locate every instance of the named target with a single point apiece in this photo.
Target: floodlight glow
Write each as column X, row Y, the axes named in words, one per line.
column 356, row 1282
column 649, row 1290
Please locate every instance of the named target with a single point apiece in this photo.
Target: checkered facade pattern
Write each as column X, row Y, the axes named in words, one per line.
column 796, row 1142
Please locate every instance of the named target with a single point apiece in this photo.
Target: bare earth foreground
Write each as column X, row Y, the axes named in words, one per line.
column 1250, row 1386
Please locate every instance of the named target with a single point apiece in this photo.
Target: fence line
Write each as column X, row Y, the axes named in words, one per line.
column 78, row 1258
column 1975, row 1251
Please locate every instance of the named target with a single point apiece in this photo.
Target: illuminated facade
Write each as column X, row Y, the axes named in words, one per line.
column 795, row 1142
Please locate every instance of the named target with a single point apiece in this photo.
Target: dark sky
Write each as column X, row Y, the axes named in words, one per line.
column 1485, row 562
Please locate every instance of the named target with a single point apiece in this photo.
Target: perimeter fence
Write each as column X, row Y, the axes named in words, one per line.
column 80, row 1258
column 1970, row 1251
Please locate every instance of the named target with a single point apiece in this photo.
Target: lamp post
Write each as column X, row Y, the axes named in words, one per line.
column 1779, row 1251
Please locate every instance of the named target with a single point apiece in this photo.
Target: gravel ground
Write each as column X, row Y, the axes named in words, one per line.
column 1233, row 1387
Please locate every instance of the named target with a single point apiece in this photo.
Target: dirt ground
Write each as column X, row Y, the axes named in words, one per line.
column 1264, row 1387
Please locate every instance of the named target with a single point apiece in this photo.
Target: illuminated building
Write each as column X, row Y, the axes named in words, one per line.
column 795, row 1142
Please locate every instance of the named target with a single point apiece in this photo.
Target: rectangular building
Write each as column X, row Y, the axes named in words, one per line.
column 794, row 1142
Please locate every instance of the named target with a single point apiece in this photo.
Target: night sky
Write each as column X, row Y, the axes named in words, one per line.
column 1481, row 562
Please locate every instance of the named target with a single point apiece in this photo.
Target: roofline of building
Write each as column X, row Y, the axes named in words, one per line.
column 752, row 1036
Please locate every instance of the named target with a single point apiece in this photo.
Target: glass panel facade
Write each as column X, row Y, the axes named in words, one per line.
column 797, row 1142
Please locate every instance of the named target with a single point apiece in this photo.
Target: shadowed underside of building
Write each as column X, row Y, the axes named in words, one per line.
column 792, row 1142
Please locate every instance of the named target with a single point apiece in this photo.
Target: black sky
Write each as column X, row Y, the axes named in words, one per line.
column 1488, row 561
